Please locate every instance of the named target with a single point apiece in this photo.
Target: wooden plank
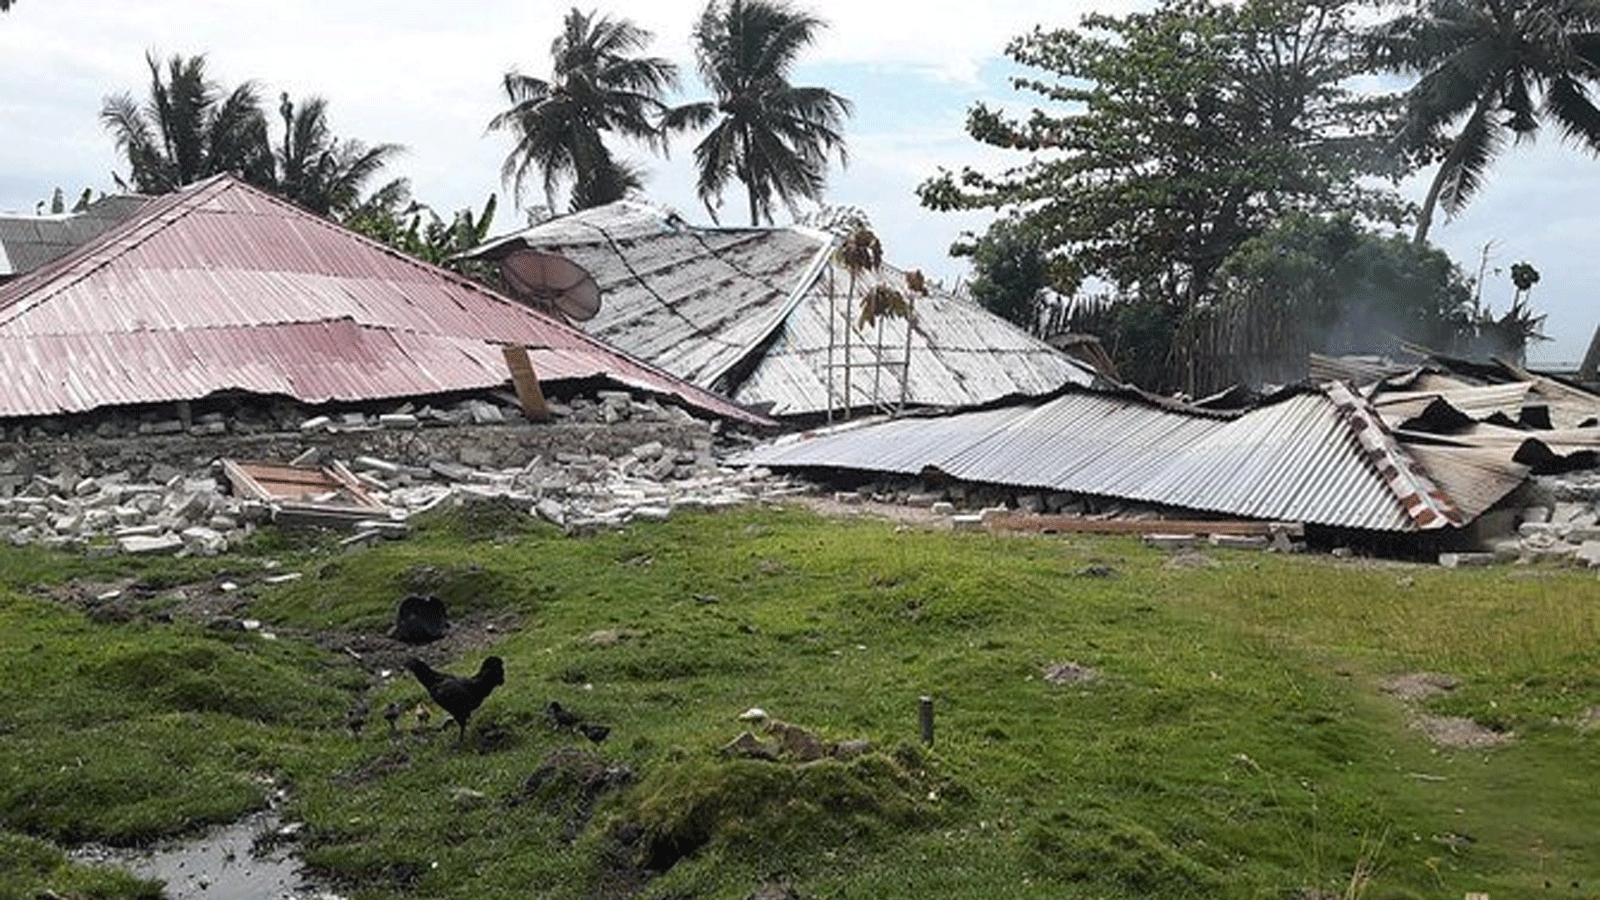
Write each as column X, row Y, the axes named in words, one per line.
column 1015, row 521
column 526, row 382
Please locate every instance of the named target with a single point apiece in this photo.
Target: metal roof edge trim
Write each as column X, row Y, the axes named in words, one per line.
column 1422, row 501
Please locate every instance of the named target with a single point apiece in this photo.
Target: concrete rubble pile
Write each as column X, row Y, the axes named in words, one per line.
column 1564, row 528
column 133, row 505
column 193, row 513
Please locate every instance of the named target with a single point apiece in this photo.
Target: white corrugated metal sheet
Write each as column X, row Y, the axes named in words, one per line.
column 1319, row 457
column 746, row 312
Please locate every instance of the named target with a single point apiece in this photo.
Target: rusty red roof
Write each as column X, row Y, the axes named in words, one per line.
column 222, row 287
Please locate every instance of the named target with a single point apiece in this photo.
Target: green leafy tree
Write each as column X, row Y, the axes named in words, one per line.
column 1506, row 66
column 763, row 131
column 598, row 86
column 189, row 129
column 1173, row 137
column 1010, row 274
column 415, row 229
column 1313, row 284
column 323, row 173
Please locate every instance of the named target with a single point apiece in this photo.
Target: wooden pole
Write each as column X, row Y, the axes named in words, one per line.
column 925, row 716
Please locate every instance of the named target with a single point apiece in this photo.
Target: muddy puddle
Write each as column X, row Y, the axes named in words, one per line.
column 247, row 860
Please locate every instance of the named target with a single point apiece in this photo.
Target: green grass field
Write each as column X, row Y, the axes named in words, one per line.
column 1109, row 721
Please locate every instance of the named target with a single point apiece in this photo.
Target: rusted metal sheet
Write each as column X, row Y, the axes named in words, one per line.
column 220, row 287
column 746, row 312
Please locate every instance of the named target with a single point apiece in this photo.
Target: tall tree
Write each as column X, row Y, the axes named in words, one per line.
column 1180, row 133
column 1506, row 65
column 598, row 85
column 765, row 132
column 321, row 172
column 189, row 129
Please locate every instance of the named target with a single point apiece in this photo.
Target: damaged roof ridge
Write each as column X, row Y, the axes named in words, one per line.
column 1421, row 499
column 780, row 316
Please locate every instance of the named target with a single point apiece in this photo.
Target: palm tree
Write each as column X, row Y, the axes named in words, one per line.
column 322, row 173
column 765, row 132
column 597, row 86
column 1507, row 65
column 189, row 129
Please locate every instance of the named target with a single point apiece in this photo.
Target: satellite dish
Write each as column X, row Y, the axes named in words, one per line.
column 551, row 283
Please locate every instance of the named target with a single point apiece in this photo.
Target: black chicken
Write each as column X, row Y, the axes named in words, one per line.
column 460, row 696
column 560, row 716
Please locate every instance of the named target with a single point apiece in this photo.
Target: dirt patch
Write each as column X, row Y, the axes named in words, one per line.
column 1454, row 731
column 223, row 603
column 1069, row 673
column 1191, row 559
column 1414, row 686
column 1446, row 731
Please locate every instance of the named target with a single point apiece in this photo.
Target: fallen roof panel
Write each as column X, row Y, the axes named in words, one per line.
column 1318, row 457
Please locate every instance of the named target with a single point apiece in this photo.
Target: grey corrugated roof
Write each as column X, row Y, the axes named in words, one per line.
column 28, row 242
column 1319, row 457
column 745, row 311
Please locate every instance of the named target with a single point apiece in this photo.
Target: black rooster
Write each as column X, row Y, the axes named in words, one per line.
column 460, row 696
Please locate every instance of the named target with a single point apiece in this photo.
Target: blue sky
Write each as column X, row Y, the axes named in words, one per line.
column 427, row 76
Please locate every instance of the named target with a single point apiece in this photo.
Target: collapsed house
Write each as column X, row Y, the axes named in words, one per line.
column 1425, row 453
column 770, row 317
column 220, row 289
column 220, row 321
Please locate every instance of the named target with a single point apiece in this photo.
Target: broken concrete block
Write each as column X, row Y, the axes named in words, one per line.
column 847, row 497
column 203, row 541
column 138, row 544
column 374, row 464
column 1582, row 534
column 967, row 522
column 943, row 508
column 1240, row 541
column 316, row 423
column 399, row 421
column 1170, row 541
column 1589, row 554
column 1461, row 560
column 389, row 528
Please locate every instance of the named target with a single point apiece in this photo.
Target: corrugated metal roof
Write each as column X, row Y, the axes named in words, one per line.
column 1316, row 457
column 28, row 242
column 221, row 287
column 746, row 311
